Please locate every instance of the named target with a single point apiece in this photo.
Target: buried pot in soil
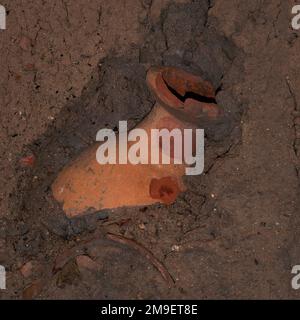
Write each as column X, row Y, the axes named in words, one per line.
column 184, row 101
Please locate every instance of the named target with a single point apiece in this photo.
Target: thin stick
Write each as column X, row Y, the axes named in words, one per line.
column 145, row 252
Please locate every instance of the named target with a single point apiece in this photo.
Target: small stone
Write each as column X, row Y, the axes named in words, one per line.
column 25, row 43
column 29, row 67
column 26, row 269
column 142, row 226
column 86, row 263
column 175, row 247
column 33, row 290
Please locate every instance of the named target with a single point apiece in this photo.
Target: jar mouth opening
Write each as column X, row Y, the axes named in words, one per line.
column 183, row 93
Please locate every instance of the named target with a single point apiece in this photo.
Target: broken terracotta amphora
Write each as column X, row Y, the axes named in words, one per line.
column 184, row 101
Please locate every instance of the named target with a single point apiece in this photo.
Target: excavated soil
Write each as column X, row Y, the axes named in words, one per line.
column 69, row 69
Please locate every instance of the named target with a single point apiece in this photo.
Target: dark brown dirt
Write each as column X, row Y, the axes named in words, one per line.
column 68, row 70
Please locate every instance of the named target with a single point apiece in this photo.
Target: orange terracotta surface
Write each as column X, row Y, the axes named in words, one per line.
column 86, row 186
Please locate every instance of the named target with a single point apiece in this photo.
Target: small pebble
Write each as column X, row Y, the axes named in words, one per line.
column 25, row 43
column 175, row 247
column 26, row 269
column 86, row 263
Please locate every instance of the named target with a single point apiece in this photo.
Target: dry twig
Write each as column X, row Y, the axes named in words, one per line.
column 145, row 252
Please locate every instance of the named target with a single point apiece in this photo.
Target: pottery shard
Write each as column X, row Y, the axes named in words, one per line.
column 27, row 161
